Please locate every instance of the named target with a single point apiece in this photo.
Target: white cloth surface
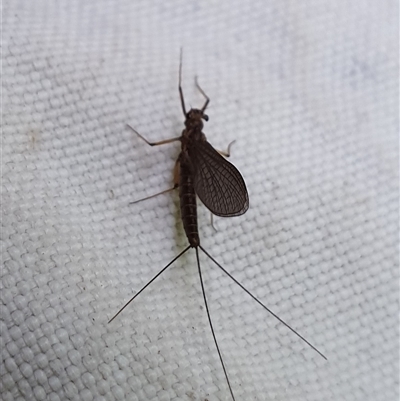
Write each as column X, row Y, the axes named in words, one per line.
column 309, row 91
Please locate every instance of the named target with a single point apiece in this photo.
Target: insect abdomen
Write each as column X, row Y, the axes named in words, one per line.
column 188, row 205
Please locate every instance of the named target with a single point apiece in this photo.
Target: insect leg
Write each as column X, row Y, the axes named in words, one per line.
column 228, row 152
column 178, row 138
column 153, row 196
column 143, row 288
column 211, row 326
column 203, row 93
column 212, row 222
column 176, row 185
column 180, row 86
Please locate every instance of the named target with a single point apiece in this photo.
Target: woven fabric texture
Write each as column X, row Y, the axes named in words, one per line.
column 309, row 92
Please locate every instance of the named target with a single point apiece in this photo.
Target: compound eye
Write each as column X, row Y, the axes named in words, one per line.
column 205, row 117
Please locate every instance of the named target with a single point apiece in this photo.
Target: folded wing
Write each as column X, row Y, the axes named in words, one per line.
column 217, row 183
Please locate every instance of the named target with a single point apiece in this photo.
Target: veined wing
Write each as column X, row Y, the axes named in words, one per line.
column 217, row 183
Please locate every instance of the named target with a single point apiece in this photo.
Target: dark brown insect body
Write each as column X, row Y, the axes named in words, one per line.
column 187, row 193
column 201, row 171
column 187, row 196
column 200, row 166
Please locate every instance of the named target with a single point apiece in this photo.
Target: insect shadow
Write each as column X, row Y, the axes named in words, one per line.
column 202, row 171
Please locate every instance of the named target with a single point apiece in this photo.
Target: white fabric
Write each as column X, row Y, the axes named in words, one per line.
column 309, row 91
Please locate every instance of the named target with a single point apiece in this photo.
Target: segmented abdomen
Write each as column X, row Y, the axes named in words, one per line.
column 187, row 197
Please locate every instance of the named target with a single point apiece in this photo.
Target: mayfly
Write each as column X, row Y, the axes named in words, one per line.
column 203, row 171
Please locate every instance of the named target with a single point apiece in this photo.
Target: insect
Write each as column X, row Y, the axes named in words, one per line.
column 202, row 171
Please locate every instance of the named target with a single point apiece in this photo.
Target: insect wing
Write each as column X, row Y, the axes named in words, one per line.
column 217, row 183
